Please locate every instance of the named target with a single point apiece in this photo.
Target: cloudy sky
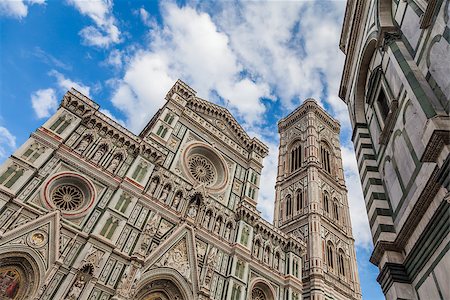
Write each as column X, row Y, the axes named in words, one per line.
column 259, row 59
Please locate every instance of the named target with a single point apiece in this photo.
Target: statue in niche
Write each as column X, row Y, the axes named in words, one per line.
column 77, row 288
column 148, row 233
column 165, row 193
column 131, row 275
column 228, row 231
column 217, row 226
column 207, row 219
column 256, row 249
column 192, row 212
column 176, row 200
column 153, row 185
column 245, row 234
column 83, row 144
column 99, row 154
column 209, row 266
column 114, row 163
column 266, row 255
column 276, row 262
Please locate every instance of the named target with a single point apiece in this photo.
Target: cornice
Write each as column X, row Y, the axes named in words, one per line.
column 200, row 105
column 309, row 105
column 353, row 33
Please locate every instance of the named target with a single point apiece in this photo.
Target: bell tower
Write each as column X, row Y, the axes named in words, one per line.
column 311, row 202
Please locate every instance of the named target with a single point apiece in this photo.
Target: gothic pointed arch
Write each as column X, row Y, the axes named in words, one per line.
column 260, row 289
column 21, row 273
column 178, row 255
column 165, row 283
column 366, row 57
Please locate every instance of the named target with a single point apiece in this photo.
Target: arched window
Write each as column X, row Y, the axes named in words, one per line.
column 162, row 130
column 60, row 124
column 11, row 175
column 330, row 260
column 123, row 202
column 299, row 199
column 33, row 152
column 325, row 157
column 382, row 104
column 109, row 227
column 288, row 206
column 326, row 205
column 295, row 156
column 336, row 209
column 340, row 261
column 169, row 118
column 140, row 172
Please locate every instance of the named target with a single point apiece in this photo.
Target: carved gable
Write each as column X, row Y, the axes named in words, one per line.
column 41, row 236
column 177, row 252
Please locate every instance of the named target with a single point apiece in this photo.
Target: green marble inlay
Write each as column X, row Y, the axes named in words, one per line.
column 412, row 81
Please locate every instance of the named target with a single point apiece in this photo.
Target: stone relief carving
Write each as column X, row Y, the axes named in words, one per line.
column 177, row 258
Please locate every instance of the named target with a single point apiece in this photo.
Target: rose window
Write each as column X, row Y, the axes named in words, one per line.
column 70, row 193
column 202, row 164
column 67, row 197
column 258, row 294
column 201, row 169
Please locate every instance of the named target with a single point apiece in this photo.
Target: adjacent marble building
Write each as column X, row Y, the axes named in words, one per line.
column 396, row 84
column 89, row 210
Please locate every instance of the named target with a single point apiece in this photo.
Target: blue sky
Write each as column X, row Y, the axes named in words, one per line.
column 259, row 59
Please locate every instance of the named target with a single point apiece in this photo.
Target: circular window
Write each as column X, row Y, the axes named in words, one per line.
column 201, row 169
column 67, row 197
column 70, row 193
column 204, row 165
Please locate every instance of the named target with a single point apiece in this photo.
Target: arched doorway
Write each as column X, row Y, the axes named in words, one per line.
column 261, row 290
column 163, row 284
column 17, row 278
column 162, row 290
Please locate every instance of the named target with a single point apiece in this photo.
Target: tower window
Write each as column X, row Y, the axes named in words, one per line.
column 340, row 261
column 326, row 205
column 299, row 196
column 295, row 157
column 325, row 156
column 288, row 206
column 336, row 210
column 330, row 255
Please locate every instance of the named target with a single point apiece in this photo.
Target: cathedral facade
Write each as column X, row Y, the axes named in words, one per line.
column 397, row 88
column 89, row 210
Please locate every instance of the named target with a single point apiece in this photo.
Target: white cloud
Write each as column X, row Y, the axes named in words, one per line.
column 237, row 54
column 66, row 84
column 189, row 46
column 17, row 8
column 7, row 142
column 115, row 58
column 360, row 223
column 146, row 18
column 105, row 32
column 44, row 102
